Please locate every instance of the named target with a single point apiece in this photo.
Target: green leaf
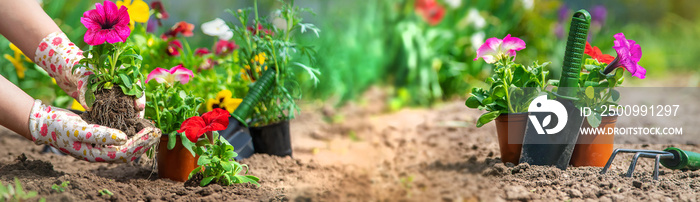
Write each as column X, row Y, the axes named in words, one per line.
column 187, row 143
column 206, row 181
column 590, row 92
column 126, row 80
column 203, row 160
column 195, row 171
column 615, row 95
column 594, row 119
column 486, row 118
column 172, row 140
column 226, row 166
column 472, row 102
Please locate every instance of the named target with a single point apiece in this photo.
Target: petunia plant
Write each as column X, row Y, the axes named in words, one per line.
column 169, row 105
column 113, row 62
column 512, row 86
column 216, row 156
column 263, row 47
column 596, row 81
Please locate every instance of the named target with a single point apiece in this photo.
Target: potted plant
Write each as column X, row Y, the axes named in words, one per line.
column 113, row 87
column 216, row 161
column 169, row 106
column 512, row 87
column 598, row 95
column 266, row 48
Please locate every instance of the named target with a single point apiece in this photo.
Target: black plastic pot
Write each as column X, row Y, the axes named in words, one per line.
column 272, row 139
column 239, row 138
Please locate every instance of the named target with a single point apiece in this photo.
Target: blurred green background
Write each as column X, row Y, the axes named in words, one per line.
column 394, row 45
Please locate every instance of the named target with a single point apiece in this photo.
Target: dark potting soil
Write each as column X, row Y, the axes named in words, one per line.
column 114, row 109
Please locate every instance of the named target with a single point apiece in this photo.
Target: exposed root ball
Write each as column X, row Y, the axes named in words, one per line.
column 114, row 109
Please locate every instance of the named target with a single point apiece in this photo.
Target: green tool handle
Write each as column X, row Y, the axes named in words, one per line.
column 256, row 92
column 682, row 159
column 573, row 58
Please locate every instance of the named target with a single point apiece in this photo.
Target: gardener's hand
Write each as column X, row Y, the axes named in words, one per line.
column 57, row 55
column 69, row 133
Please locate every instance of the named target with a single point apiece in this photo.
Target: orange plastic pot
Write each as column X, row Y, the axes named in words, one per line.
column 594, row 150
column 511, row 129
column 175, row 164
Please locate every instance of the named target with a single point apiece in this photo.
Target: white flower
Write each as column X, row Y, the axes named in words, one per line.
column 477, row 39
column 474, row 17
column 528, row 4
column 453, row 3
column 218, row 28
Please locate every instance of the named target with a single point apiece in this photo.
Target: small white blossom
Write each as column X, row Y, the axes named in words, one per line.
column 217, row 28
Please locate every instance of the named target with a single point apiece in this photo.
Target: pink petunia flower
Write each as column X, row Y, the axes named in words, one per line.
column 177, row 73
column 223, row 47
column 496, row 49
column 174, row 48
column 106, row 23
column 628, row 55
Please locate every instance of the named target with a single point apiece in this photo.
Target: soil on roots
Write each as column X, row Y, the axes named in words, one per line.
column 114, row 109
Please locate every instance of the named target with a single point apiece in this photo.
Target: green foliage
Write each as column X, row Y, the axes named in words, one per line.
column 512, row 88
column 276, row 50
column 60, row 188
column 15, row 193
column 216, row 163
column 597, row 89
column 113, row 65
column 103, row 192
column 168, row 107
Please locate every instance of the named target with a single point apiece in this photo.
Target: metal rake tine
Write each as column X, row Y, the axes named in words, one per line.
column 657, row 155
column 633, row 164
column 610, row 160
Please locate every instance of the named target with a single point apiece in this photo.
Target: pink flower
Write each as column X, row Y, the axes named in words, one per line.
column 181, row 27
column 76, row 146
column 112, row 154
column 201, row 51
column 260, row 28
column 496, row 49
column 174, row 48
column 177, row 73
column 431, row 11
column 628, row 55
column 106, row 23
column 44, row 130
column 223, row 47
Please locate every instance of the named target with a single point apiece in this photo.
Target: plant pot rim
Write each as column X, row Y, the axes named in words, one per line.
column 518, row 113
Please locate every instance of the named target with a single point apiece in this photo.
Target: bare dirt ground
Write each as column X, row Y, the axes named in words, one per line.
column 362, row 153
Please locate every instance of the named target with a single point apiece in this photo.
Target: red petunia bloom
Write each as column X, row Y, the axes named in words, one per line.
column 430, row 10
column 174, row 48
column 196, row 126
column 201, row 51
column 224, row 47
column 106, row 23
column 260, row 28
column 181, row 27
column 596, row 54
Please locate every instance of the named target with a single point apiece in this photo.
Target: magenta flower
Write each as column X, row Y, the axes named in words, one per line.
column 106, row 23
column 174, row 48
column 628, row 55
column 496, row 49
column 177, row 73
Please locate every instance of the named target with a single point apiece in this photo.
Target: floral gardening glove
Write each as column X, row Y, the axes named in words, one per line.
column 57, row 55
column 69, row 133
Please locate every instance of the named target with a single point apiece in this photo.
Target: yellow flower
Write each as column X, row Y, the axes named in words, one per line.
column 219, row 100
column 76, row 106
column 138, row 11
column 17, row 60
column 230, row 104
column 260, row 59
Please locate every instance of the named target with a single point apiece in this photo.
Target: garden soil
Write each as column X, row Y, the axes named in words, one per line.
column 360, row 152
column 114, row 109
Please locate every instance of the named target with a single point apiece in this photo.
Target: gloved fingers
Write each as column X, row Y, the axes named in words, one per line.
column 130, row 151
column 140, row 103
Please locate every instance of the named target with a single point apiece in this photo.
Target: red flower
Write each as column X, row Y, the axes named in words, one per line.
column 223, row 47
column 260, row 28
column 196, row 126
column 159, row 10
column 430, row 10
column 181, row 27
column 201, row 51
column 596, row 54
column 174, row 48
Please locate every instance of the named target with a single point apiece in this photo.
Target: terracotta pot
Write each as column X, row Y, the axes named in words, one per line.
column 594, row 150
column 511, row 128
column 175, row 164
